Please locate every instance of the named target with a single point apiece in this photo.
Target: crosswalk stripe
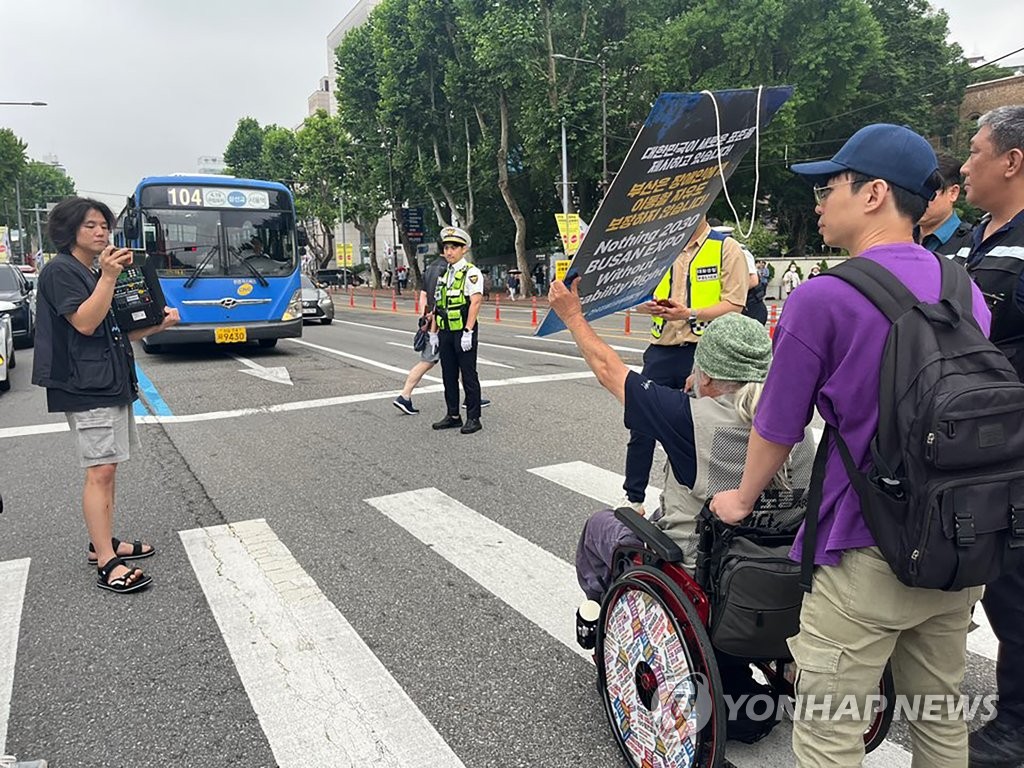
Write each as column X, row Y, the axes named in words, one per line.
column 13, row 578
column 526, row 577
column 596, row 483
column 321, row 696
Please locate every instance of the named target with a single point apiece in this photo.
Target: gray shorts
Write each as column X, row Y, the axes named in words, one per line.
column 104, row 435
column 427, row 356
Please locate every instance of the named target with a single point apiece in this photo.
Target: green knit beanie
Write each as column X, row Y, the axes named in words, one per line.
column 734, row 348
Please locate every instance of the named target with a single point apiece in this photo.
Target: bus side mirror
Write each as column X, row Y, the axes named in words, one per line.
column 302, row 237
column 130, row 226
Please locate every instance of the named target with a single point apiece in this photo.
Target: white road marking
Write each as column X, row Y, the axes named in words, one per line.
column 479, row 360
column 321, row 696
column 573, row 343
column 357, row 358
column 302, row 405
column 13, row 578
column 594, row 482
column 277, row 374
column 526, row 577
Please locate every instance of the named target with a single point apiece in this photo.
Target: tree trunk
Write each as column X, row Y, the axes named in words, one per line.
column 368, row 228
column 510, row 202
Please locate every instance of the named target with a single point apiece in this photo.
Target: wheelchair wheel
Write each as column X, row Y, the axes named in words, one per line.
column 657, row 674
column 879, row 727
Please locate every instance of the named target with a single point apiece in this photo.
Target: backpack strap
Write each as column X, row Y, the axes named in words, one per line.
column 878, row 285
column 814, row 493
column 956, row 290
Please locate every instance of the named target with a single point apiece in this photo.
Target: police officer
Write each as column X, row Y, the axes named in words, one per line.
column 994, row 181
column 940, row 230
column 707, row 280
column 460, row 292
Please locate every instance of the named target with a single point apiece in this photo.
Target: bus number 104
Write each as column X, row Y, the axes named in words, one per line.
column 185, row 196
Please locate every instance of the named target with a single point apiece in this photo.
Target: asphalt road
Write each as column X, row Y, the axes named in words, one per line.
column 335, row 583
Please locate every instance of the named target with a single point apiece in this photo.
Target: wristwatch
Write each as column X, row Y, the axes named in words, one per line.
column 693, row 316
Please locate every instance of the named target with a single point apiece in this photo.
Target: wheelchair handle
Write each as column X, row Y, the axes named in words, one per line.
column 653, row 537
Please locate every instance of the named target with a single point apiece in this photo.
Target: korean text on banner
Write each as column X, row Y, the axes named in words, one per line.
column 5, row 247
column 343, row 254
column 562, row 268
column 665, row 186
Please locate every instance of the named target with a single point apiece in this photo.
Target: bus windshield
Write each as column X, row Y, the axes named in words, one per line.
column 209, row 243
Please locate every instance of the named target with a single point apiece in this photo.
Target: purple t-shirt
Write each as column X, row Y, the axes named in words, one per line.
column 828, row 354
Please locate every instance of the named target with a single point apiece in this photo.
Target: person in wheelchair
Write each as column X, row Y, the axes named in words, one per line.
column 705, row 434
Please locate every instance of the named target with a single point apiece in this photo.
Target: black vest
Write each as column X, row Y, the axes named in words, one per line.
column 959, row 244
column 998, row 275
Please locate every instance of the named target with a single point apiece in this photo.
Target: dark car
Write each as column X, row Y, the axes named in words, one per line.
column 15, row 289
column 316, row 303
column 338, row 276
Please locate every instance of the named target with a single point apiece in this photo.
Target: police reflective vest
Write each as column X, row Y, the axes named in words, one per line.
column 998, row 274
column 703, row 282
column 452, row 307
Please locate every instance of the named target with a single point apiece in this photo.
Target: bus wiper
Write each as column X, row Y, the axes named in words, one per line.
column 201, row 266
column 255, row 272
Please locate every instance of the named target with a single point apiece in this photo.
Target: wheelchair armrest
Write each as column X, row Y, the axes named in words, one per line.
column 653, row 537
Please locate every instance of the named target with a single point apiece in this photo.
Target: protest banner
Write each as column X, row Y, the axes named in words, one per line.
column 672, row 174
column 569, row 230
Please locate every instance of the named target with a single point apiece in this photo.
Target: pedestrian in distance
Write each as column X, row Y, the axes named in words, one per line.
column 512, row 283
column 790, row 281
column 429, row 356
column 458, row 299
column 680, row 308
column 828, row 355
column 994, row 181
column 87, row 366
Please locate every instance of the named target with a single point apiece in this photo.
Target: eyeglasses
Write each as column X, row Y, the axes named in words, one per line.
column 820, row 193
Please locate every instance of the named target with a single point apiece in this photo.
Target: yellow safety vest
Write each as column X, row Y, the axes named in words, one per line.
column 703, row 282
column 452, row 304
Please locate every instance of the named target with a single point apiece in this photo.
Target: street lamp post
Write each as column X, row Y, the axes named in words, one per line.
column 600, row 62
column 394, row 227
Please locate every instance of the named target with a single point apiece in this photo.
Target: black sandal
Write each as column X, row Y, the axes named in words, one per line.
column 138, row 553
column 121, row 583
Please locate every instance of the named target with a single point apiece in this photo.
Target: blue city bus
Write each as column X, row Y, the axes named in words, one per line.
column 226, row 252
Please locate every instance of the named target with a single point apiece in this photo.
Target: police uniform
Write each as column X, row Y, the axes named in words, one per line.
column 455, row 287
column 710, row 269
column 996, row 263
column 952, row 239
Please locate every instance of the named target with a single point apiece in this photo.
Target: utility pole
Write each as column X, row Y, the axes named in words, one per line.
column 39, row 228
column 21, row 229
column 565, row 172
column 394, row 226
column 341, row 203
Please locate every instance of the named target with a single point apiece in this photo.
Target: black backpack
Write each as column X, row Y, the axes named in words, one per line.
column 944, row 497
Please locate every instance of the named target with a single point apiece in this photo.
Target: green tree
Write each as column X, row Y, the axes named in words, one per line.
column 244, row 153
column 279, row 158
column 12, row 164
column 322, row 148
column 41, row 183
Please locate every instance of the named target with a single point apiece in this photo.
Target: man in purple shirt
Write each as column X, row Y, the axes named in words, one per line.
column 827, row 355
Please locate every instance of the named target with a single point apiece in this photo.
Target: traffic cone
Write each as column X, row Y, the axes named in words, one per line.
column 773, row 320
column 533, row 315
column 497, row 309
column 626, row 330
column 373, row 293
column 352, row 297
column 394, row 303
column 416, row 305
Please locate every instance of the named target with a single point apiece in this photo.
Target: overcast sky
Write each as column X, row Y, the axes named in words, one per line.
column 146, row 87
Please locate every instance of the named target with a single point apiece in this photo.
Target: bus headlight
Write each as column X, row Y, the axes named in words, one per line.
column 294, row 309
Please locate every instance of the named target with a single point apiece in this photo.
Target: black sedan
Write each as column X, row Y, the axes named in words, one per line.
column 341, row 276
column 15, row 289
column 316, row 303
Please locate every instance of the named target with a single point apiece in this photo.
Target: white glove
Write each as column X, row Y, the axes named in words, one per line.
column 467, row 341
column 433, row 342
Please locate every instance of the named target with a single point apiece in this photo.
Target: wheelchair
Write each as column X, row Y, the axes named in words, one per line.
column 658, row 672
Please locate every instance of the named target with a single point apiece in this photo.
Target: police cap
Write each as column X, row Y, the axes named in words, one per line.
column 456, row 236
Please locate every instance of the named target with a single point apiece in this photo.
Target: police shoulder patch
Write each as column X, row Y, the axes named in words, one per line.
column 473, row 278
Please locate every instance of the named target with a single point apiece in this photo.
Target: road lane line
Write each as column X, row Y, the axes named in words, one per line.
column 321, row 695
column 302, row 405
column 357, row 358
column 526, row 577
column 13, row 578
column 594, row 482
column 148, row 389
column 479, row 360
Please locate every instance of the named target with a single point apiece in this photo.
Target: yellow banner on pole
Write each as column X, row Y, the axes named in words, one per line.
column 343, row 253
column 569, row 229
column 4, row 251
column 561, row 268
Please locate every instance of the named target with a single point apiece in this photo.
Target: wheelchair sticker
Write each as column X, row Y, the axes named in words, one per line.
column 658, row 703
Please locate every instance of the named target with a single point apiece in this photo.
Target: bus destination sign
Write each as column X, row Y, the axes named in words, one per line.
column 217, row 197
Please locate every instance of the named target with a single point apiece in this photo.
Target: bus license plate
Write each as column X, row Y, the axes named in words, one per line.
column 229, row 335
